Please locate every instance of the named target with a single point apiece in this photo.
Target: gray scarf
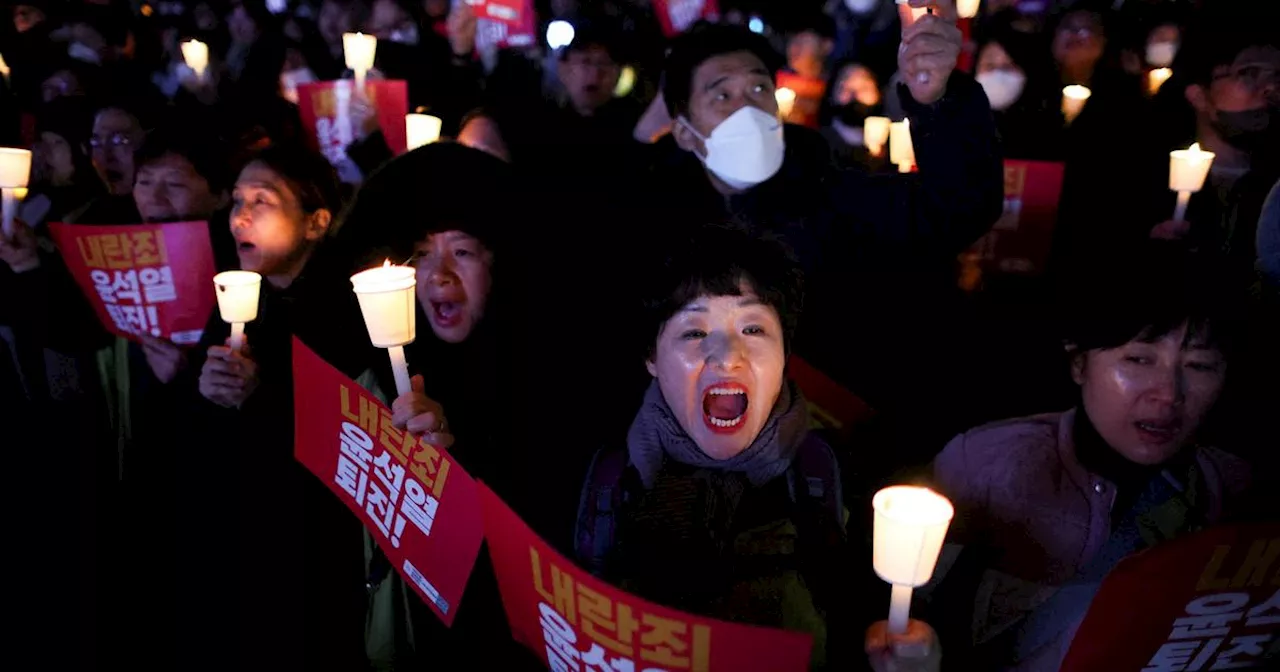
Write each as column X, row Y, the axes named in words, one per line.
column 656, row 435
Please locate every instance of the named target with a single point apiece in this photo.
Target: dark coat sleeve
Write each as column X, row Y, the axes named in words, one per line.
column 955, row 197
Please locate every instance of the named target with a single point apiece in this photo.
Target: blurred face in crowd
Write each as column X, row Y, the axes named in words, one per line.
column 243, row 29
column 1242, row 100
column 589, row 77
column 333, row 21
column 116, row 136
column 454, row 277
column 52, row 160
column 169, row 189
column 857, row 85
column 719, row 363
column 26, row 17
column 1147, row 398
column 1079, row 41
column 723, row 85
column 436, row 9
column 59, row 84
column 274, row 235
column 807, row 54
column 1001, row 78
column 482, row 133
column 389, row 22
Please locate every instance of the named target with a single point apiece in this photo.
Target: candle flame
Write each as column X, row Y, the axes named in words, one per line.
column 785, row 94
column 1195, row 147
column 386, row 263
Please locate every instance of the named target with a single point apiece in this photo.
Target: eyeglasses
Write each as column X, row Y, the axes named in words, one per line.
column 113, row 140
column 1252, row 75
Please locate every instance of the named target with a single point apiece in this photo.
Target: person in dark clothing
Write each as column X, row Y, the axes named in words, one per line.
column 891, row 240
column 117, row 133
column 287, row 552
column 854, row 96
column 480, row 375
column 63, row 179
column 1024, row 95
column 708, row 517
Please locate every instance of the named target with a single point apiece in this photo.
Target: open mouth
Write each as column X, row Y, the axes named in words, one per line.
column 1158, row 432
column 724, row 407
column 446, row 313
column 246, row 246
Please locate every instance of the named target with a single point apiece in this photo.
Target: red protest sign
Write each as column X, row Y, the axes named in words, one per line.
column 808, row 101
column 832, row 406
column 573, row 620
column 419, row 504
column 153, row 279
column 1019, row 242
column 1207, row 601
column 676, row 16
column 326, row 115
column 505, row 23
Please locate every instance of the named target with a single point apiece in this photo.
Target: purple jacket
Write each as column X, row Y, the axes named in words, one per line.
column 1019, row 489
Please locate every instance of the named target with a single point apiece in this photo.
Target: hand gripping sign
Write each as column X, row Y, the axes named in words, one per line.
column 326, row 114
column 419, row 504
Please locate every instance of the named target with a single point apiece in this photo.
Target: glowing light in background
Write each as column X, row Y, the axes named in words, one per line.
column 559, row 34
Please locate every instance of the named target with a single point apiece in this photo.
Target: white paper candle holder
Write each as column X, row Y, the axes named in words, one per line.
column 359, row 51
column 196, row 54
column 15, row 171
column 875, row 133
column 421, row 129
column 388, row 303
column 901, row 151
column 237, row 293
column 1073, row 99
column 910, row 526
column 1188, row 169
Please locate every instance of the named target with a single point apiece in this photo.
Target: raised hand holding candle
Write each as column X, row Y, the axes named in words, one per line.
column 1188, row 169
column 1156, row 79
column 901, row 152
column 910, row 526
column 1073, row 100
column 196, row 55
column 786, row 101
column 15, row 170
column 875, row 133
column 237, row 293
column 421, row 129
column 359, row 50
column 386, row 296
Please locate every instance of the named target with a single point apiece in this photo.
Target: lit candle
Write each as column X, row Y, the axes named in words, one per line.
column 915, row 12
column 786, row 101
column 1156, row 78
column 1188, row 169
column 1073, row 100
column 237, row 301
column 910, row 525
column 359, row 50
column 4, row 70
column 967, row 9
column 387, row 298
column 196, row 54
column 15, row 170
column 421, row 129
column 875, row 133
column 901, row 152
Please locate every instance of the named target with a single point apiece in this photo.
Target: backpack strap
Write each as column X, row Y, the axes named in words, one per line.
column 602, row 497
column 815, row 484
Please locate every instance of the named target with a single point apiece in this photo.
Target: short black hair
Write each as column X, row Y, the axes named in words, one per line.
column 695, row 47
column 1210, row 44
column 595, row 36
column 717, row 260
column 1146, row 293
column 203, row 151
column 309, row 174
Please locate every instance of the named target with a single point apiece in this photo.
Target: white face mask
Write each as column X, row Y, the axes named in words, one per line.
column 407, row 35
column 1160, row 54
column 1003, row 87
column 745, row 149
column 861, row 6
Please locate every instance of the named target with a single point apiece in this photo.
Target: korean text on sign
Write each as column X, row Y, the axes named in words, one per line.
column 419, row 505
column 578, row 623
column 128, row 274
column 1209, row 601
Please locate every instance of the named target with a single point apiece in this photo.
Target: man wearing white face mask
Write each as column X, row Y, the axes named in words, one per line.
column 890, row 240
